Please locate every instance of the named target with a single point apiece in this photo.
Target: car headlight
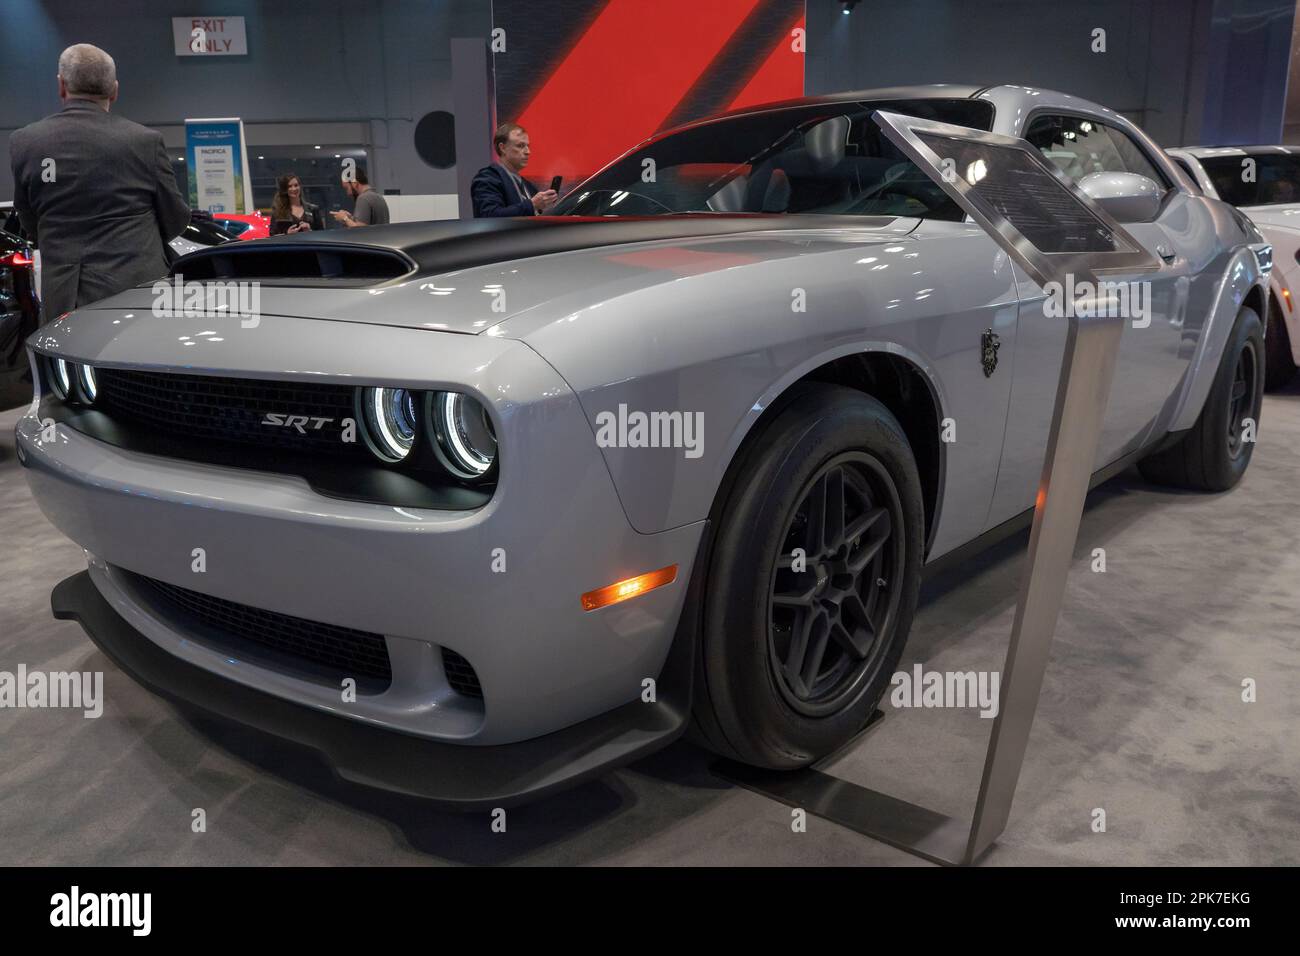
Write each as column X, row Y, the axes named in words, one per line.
column 88, row 386
column 1264, row 256
column 390, row 422
column 61, row 378
column 462, row 434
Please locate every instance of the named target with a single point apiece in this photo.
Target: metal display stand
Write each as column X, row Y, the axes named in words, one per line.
column 1088, row 370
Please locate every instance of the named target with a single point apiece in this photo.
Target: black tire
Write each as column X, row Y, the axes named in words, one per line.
column 1278, row 362
column 748, row 705
column 1213, row 455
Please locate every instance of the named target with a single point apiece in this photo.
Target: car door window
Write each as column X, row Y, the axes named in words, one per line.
column 813, row 160
column 1187, row 168
column 1079, row 146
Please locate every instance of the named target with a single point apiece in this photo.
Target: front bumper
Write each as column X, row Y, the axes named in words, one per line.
column 450, row 776
column 423, row 579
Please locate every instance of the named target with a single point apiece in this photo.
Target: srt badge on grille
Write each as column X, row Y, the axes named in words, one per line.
column 299, row 423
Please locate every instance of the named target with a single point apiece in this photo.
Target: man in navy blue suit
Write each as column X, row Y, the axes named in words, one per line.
column 499, row 189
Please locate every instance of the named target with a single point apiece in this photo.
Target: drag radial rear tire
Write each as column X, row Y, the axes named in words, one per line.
column 1214, row 453
column 813, row 581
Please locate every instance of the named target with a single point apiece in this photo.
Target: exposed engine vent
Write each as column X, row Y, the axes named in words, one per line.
column 293, row 264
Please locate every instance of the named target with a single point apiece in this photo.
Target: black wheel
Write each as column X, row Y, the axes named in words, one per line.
column 813, row 581
column 1279, row 365
column 1214, row 453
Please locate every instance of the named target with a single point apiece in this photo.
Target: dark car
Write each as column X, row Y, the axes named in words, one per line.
column 202, row 231
column 20, row 314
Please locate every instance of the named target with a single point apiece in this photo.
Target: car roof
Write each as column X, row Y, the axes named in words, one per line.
column 1029, row 97
column 947, row 91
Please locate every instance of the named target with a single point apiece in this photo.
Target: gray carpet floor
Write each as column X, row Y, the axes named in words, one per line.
column 1141, row 716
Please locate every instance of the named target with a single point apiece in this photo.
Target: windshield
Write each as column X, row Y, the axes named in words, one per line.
column 828, row 159
column 1255, row 180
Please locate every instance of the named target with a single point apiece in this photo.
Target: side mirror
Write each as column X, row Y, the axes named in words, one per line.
column 1128, row 197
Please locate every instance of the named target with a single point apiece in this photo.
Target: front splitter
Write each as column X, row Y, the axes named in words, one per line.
column 451, row 776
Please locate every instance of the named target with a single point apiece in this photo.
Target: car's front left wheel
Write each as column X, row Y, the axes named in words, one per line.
column 813, row 581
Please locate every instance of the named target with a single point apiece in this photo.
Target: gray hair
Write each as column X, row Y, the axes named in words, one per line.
column 88, row 71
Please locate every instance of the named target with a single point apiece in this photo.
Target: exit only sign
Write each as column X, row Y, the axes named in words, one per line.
column 209, row 36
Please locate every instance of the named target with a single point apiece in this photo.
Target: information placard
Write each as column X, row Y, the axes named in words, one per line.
column 218, row 165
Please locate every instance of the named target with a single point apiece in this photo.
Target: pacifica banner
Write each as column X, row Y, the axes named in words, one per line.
column 217, row 157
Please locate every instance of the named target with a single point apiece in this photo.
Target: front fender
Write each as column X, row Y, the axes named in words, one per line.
column 655, row 351
column 1241, row 275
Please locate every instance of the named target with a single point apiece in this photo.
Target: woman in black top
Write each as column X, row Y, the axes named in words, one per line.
column 290, row 213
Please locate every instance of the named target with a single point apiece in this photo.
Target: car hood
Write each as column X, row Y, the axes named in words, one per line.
column 1286, row 215
column 476, row 276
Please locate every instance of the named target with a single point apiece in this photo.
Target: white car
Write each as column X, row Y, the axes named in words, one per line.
column 1264, row 183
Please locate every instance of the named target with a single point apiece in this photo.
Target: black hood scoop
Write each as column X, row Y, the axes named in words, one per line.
column 375, row 255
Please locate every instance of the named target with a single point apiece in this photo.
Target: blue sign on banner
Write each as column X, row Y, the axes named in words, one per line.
column 218, row 166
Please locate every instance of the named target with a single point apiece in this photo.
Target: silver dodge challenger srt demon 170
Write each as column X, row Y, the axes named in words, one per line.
column 478, row 510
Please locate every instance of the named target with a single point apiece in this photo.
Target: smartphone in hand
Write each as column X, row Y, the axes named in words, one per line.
column 555, row 183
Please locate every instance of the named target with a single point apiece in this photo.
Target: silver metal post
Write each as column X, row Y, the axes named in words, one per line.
column 1087, row 372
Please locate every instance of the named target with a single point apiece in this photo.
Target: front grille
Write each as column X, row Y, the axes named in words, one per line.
column 332, row 651
column 460, row 675
column 210, row 408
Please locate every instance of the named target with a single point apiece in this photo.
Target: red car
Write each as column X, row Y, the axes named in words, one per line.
column 253, row 226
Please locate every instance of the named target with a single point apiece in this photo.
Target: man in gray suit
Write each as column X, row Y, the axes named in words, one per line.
column 94, row 191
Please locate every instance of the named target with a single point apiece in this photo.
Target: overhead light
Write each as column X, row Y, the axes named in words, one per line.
column 848, row 6
column 315, row 147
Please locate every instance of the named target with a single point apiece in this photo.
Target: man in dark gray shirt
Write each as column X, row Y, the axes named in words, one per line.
column 371, row 209
column 94, row 191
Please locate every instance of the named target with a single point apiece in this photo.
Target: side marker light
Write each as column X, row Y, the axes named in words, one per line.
column 628, row 588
